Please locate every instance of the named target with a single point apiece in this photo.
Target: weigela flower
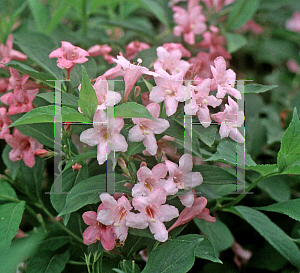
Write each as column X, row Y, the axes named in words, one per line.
column 97, row 231
column 182, row 177
column 7, row 53
column 106, row 137
column 252, row 26
column 170, row 47
column 169, row 89
column 145, row 129
column 241, row 255
column 149, row 179
column 225, row 79
column 4, row 85
column 293, row 24
column 114, row 213
column 203, row 71
column 101, row 50
column 293, row 66
column 170, row 61
column 190, row 22
column 76, row 167
column 4, row 122
column 196, row 210
column 230, row 119
column 133, row 48
column 23, row 147
column 200, row 101
column 152, row 213
column 68, row 56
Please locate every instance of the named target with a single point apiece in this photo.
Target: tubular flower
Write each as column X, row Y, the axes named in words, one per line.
column 133, row 48
column 101, row 50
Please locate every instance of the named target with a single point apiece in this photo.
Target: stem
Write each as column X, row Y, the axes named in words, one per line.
column 76, row 263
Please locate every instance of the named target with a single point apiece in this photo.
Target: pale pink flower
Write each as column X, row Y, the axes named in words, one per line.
column 225, row 79
column 129, row 71
column 4, row 85
column 230, row 119
column 7, row 53
column 241, row 255
column 204, row 70
column 114, row 213
column 170, row 61
column 152, row 213
column 170, row 47
column 196, row 210
column 68, row 56
column 97, row 231
column 149, row 179
column 101, row 50
column 104, row 137
column 190, row 22
column 23, row 147
column 182, row 177
column 293, row 66
column 200, row 101
column 293, row 24
column 133, row 48
column 146, row 128
column 144, row 254
column 170, row 89
column 145, row 98
column 4, row 122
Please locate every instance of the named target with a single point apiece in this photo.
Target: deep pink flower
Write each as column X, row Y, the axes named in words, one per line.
column 76, row 167
column 225, row 79
column 170, row 61
column 196, row 210
column 146, row 128
column 68, row 56
column 217, row 4
column 293, row 24
column 149, row 179
column 101, row 50
column 251, row 25
column 4, row 122
column 23, row 147
column 182, row 177
column 133, row 48
column 230, row 119
column 97, row 231
column 200, row 101
column 190, row 22
column 204, row 70
column 41, row 153
column 4, row 85
column 7, row 53
column 114, row 213
column 107, row 137
column 152, row 213
column 170, row 89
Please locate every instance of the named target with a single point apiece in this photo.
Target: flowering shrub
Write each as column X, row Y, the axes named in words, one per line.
column 131, row 143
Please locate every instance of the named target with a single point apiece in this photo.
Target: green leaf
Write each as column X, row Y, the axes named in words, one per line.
column 258, row 88
column 76, row 117
column 132, row 110
column 235, row 41
column 66, row 99
column 179, row 259
column 272, row 233
column 218, row 233
column 242, row 11
column 141, row 232
column 59, row 13
column 54, row 242
column 40, row 14
column 88, row 191
column 205, row 250
column 231, row 153
column 13, row 166
column 80, row 158
column 289, row 154
column 10, row 219
column 135, row 148
column 7, row 192
column 87, row 109
column 48, row 262
column 263, row 169
column 290, row 208
column 214, row 175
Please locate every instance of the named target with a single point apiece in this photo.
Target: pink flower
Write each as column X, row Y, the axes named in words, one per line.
column 97, row 231
column 76, row 167
column 190, row 22
column 133, row 48
column 251, row 25
column 7, row 53
column 170, row 61
column 149, row 179
column 41, row 153
column 146, row 128
column 293, row 66
column 182, row 177
column 200, row 102
column 225, row 79
column 169, row 89
column 68, row 56
column 114, row 213
column 203, row 71
column 170, row 47
column 241, row 255
column 152, row 213
column 107, row 138
column 101, row 50
column 293, row 24
column 23, row 147
column 196, row 210
column 4, row 85
column 230, row 119
column 145, row 98
column 4, row 122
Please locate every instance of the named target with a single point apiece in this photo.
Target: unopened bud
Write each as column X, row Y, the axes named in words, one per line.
column 76, row 167
column 41, row 153
column 122, row 163
column 143, row 164
column 68, row 126
column 197, row 66
column 137, row 91
column 188, row 75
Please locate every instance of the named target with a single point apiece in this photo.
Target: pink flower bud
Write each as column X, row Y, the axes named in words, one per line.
column 41, row 153
column 76, row 167
column 137, row 91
